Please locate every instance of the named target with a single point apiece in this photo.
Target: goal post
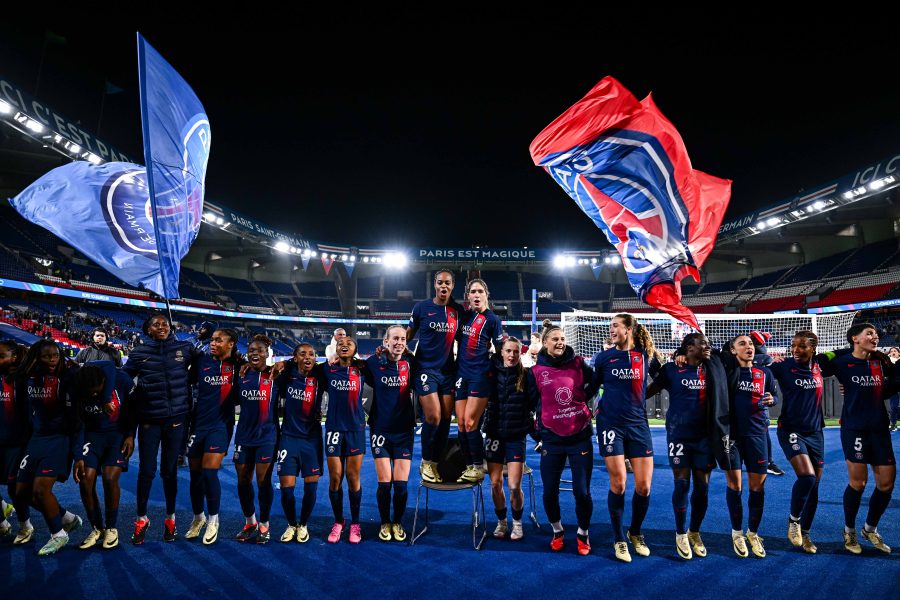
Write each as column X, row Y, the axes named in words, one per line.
column 586, row 331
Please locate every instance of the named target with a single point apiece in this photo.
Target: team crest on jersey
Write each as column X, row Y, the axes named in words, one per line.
column 179, row 356
column 545, row 378
column 637, row 359
column 757, row 376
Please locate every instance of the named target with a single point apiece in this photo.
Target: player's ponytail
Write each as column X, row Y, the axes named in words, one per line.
column 811, row 338
column 547, row 327
column 262, row 339
column 640, row 335
column 233, row 336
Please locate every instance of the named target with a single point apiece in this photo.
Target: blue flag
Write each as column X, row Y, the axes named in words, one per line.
column 176, row 150
column 104, row 211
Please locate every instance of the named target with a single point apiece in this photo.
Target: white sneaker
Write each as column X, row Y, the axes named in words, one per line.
column 302, row 534
column 640, row 546
column 517, row 532
column 196, row 526
column 874, row 538
column 622, row 552
column 290, row 534
column 756, row 544
column 501, row 530
column 24, row 535
column 683, row 546
column 795, row 536
column 696, row 543
column 92, row 539
column 212, row 533
column 739, row 543
column 110, row 538
column 55, row 544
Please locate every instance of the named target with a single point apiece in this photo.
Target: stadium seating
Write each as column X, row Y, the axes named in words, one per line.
column 586, row 290
column 544, row 283
column 233, row 284
column 279, row 288
column 317, row 289
column 368, row 287
column 503, row 285
column 412, row 282
column 12, row 268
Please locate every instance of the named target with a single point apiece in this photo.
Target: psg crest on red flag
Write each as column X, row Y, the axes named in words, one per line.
column 626, row 167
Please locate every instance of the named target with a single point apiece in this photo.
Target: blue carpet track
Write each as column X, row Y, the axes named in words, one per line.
column 444, row 565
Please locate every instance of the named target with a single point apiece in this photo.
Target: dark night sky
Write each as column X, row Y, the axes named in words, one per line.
column 417, row 132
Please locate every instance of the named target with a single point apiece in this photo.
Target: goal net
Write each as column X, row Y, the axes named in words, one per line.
column 586, row 331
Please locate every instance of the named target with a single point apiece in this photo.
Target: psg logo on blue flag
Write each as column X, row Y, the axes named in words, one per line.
column 196, row 137
column 126, row 206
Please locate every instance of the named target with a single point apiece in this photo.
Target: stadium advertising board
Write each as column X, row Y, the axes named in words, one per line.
column 23, row 102
column 482, row 254
column 253, row 226
column 882, row 168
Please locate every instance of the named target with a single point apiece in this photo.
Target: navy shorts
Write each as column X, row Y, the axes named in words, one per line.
column 811, row 444
column 254, row 455
column 504, row 451
column 103, row 449
column 634, row 441
column 298, row 455
column 753, row 451
column 207, row 441
column 45, row 456
column 391, row 445
column 10, row 457
column 868, row 447
column 429, row 381
column 474, row 387
column 345, row 443
column 690, row 454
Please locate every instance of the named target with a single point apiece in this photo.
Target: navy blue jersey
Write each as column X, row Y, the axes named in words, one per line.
column 48, row 401
column 301, row 397
column 345, row 399
column 116, row 392
column 865, row 384
column 436, row 326
column 476, row 334
column 801, row 395
column 216, row 391
column 623, row 375
column 748, row 416
column 257, row 396
column 686, row 418
column 14, row 426
column 391, row 383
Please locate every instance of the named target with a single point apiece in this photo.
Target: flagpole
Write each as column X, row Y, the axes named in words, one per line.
column 169, row 310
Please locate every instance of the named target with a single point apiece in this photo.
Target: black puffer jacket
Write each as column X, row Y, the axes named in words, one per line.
column 508, row 416
column 161, row 368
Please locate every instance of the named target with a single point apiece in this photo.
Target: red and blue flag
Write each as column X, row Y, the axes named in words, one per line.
column 627, row 168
